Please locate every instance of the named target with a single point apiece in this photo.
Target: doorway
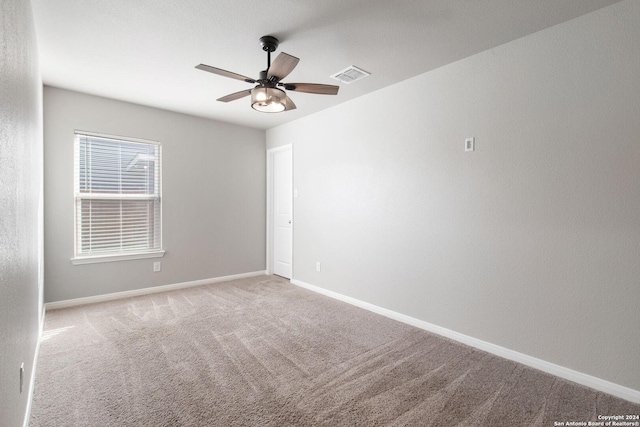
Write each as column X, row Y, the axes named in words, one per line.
column 280, row 211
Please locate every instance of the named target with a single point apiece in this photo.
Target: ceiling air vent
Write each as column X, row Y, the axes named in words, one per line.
column 350, row 75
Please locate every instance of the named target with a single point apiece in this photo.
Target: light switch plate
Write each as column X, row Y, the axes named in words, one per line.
column 469, row 144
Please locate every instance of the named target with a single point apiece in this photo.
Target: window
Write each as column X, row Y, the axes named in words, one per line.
column 118, row 198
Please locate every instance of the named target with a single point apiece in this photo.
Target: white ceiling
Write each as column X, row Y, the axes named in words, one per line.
column 145, row 51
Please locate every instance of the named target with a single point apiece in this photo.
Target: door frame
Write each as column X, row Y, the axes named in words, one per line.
column 270, row 171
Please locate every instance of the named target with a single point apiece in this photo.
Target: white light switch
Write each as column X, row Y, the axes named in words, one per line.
column 295, row 193
column 469, row 144
column 318, row 266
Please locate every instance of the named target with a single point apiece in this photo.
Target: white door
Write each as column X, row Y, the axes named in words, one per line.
column 282, row 212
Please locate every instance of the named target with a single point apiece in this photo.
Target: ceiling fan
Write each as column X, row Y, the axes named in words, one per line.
column 266, row 96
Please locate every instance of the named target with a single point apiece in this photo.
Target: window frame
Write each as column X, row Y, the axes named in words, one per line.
column 78, row 196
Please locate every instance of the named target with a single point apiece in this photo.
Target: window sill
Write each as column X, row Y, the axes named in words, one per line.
column 112, row 258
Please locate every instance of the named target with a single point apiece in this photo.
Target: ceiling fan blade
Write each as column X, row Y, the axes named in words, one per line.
column 312, row 88
column 224, row 73
column 290, row 104
column 234, row 96
column 282, row 66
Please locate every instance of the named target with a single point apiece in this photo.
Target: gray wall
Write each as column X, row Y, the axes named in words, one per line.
column 213, row 196
column 532, row 241
column 20, row 206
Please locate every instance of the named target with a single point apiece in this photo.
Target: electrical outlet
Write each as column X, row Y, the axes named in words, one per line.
column 156, row 266
column 21, row 376
column 318, row 266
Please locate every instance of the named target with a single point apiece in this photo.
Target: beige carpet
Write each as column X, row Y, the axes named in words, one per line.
column 262, row 352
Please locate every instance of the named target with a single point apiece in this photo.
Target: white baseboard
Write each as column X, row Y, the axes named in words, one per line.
column 551, row 368
column 146, row 291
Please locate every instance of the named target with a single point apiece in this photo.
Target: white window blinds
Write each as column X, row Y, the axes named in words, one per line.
column 117, row 195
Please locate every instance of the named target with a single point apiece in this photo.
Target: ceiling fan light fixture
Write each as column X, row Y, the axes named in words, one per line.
column 268, row 100
column 265, row 96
